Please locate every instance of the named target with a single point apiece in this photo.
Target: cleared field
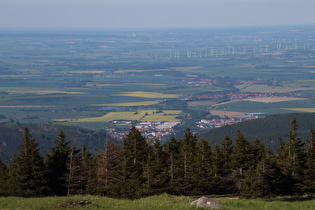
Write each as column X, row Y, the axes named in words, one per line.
column 148, row 94
column 39, row 92
column 269, row 89
column 273, row 99
column 191, row 75
column 33, row 75
column 200, row 103
column 140, row 103
column 143, row 115
column 226, row 113
column 87, row 72
column 223, row 103
column 194, row 69
column 137, row 71
column 162, row 117
column 301, row 109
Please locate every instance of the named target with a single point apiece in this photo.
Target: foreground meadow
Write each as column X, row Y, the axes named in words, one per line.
column 153, row 202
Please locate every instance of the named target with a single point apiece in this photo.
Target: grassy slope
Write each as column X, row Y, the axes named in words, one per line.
column 154, row 202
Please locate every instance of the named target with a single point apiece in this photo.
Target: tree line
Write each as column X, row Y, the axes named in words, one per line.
column 133, row 168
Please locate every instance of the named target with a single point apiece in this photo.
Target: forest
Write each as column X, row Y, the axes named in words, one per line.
column 187, row 166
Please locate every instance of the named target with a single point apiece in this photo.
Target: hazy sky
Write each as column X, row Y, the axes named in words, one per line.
column 154, row 13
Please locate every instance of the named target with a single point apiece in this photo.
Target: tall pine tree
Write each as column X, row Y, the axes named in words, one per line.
column 28, row 169
column 291, row 160
column 309, row 171
column 3, row 178
column 109, row 169
column 174, row 163
column 134, row 159
column 187, row 151
column 57, row 169
column 205, row 184
column 74, row 170
column 241, row 160
column 156, row 170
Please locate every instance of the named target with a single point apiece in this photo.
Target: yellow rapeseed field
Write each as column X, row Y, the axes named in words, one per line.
column 139, row 103
column 148, row 94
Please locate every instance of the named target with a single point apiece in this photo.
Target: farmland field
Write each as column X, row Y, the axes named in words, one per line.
column 301, row 109
column 143, row 115
column 140, row 103
column 273, row 99
column 90, row 78
column 148, row 94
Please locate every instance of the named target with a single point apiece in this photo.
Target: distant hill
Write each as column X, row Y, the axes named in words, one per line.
column 269, row 130
column 45, row 134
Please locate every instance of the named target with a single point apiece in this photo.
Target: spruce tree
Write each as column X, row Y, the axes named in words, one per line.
column 3, row 178
column 27, row 171
column 258, row 151
column 291, row 159
column 172, row 152
column 205, row 184
column 242, row 154
column 174, row 165
column 156, row 169
column 241, row 160
column 109, row 169
column 226, row 155
column 187, row 151
column 265, row 181
column 74, row 170
column 134, row 154
column 57, row 169
column 188, row 147
column 88, row 173
column 221, row 168
column 309, row 171
column 217, row 158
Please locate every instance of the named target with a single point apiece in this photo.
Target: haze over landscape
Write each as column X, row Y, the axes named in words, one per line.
column 154, row 14
column 166, row 98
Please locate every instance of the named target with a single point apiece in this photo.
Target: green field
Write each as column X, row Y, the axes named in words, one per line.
column 154, row 202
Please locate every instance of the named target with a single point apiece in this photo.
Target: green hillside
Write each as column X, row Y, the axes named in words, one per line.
column 45, row 134
column 269, row 130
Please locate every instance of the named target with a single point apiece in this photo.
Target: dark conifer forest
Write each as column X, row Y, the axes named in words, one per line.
column 187, row 166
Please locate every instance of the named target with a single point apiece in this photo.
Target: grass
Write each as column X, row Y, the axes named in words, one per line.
column 282, row 203
column 154, row 202
column 142, row 115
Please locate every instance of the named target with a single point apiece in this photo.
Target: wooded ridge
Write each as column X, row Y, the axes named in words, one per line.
column 185, row 166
